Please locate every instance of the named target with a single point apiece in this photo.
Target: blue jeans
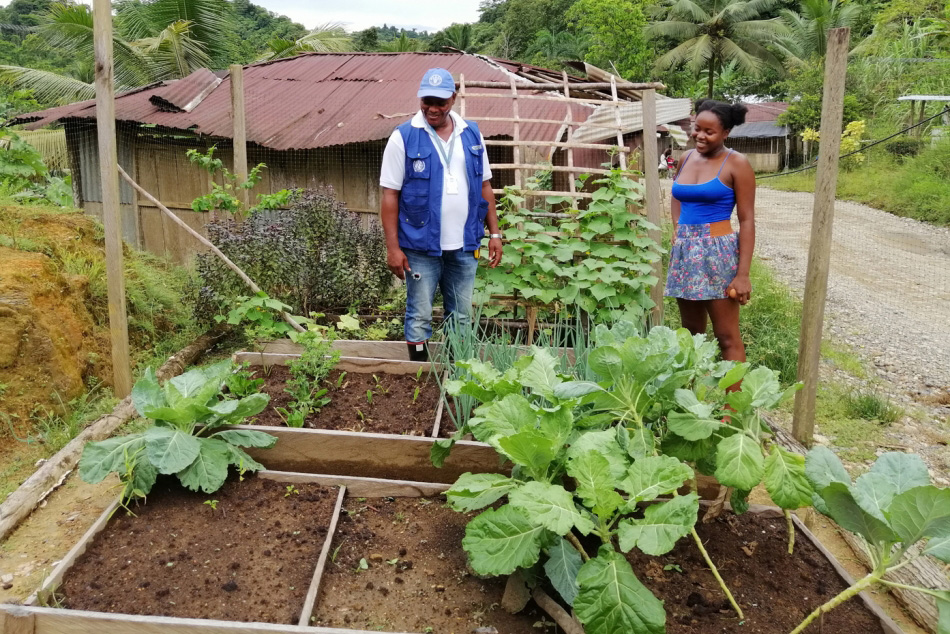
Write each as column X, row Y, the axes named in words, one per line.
column 454, row 273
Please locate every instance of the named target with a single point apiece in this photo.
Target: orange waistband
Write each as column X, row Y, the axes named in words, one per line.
column 721, row 228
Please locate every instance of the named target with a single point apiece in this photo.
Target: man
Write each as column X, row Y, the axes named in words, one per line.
column 437, row 197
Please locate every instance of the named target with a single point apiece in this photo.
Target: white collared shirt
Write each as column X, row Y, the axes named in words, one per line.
column 454, row 206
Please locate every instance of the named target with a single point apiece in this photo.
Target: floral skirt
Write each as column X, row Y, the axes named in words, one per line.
column 701, row 265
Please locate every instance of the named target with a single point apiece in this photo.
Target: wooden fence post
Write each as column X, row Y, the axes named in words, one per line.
column 819, row 251
column 240, row 128
column 108, row 168
column 651, row 174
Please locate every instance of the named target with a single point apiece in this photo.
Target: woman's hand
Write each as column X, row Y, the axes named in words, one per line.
column 740, row 289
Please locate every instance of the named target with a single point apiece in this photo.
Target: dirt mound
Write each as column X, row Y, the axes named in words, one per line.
column 49, row 343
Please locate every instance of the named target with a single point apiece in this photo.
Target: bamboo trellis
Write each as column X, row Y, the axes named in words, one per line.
column 556, row 93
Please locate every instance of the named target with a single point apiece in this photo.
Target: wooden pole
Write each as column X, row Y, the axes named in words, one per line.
column 108, row 164
column 651, row 160
column 240, row 128
column 619, row 120
column 819, row 252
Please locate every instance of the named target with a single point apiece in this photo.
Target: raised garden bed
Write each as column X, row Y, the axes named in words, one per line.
column 396, row 565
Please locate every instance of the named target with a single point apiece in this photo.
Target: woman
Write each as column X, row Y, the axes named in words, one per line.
column 709, row 264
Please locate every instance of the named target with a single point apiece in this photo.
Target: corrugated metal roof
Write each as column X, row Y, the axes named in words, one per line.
column 323, row 99
column 184, row 95
column 758, row 130
column 631, row 115
column 764, row 111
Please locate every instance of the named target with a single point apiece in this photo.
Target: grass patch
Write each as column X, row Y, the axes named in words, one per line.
column 916, row 187
column 854, row 420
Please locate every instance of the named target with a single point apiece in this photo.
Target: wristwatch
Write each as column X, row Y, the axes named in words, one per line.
column 495, row 235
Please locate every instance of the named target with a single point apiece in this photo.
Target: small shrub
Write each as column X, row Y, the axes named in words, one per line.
column 872, row 406
column 313, row 257
column 904, row 147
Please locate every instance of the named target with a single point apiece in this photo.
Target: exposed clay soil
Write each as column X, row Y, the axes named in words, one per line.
column 775, row 590
column 392, row 410
column 251, row 558
column 417, row 575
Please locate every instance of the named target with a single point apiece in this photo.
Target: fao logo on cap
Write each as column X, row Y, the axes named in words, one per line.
column 419, row 166
column 435, row 80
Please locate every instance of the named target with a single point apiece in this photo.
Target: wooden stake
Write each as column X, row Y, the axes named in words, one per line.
column 819, row 252
column 619, row 119
column 462, row 95
column 654, row 212
column 108, row 162
column 240, row 128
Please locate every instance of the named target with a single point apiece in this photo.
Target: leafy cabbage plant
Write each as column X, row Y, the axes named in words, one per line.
column 892, row 507
column 546, row 425
column 189, row 437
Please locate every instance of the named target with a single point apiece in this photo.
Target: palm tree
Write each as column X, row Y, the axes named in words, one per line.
column 459, row 36
column 402, row 44
column 808, row 29
column 327, row 38
column 559, row 46
column 163, row 39
column 712, row 33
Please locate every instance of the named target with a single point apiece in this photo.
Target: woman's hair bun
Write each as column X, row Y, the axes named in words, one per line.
column 730, row 114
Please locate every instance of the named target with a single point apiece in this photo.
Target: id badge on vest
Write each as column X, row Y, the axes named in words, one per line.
column 451, row 184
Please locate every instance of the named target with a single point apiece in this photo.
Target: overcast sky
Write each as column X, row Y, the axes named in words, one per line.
column 357, row 15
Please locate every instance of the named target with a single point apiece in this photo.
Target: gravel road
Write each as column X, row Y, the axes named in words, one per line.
column 888, row 289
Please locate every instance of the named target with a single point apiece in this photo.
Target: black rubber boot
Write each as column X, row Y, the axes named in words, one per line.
column 418, row 351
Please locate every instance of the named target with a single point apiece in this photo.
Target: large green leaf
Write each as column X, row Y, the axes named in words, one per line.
column 170, row 450
column 785, row 479
column 576, row 389
column 99, row 459
column 939, row 548
column 661, row 526
column 689, row 450
column 246, row 438
column 143, row 476
column 606, row 362
column 595, row 484
column 147, row 393
column 541, row 374
column 530, row 449
column 874, row 492
column 763, row 386
column 606, row 444
column 843, row 509
column 921, row 512
column 239, row 458
column 687, row 400
column 733, row 376
column 501, row 418
column 209, row 469
column 691, row 427
column 248, row 406
column 822, row 467
column 653, row 476
column 612, row 600
column 739, row 462
column 562, row 567
column 474, row 491
column 642, row 442
column 943, row 612
column 500, row 541
column 550, row 505
column 557, row 424
column 904, row 470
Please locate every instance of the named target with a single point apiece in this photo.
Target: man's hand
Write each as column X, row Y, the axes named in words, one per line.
column 494, row 252
column 398, row 262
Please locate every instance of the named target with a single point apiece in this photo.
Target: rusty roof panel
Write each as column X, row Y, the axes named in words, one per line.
column 184, row 95
column 318, row 100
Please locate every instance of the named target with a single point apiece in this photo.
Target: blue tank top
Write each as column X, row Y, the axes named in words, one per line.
column 707, row 202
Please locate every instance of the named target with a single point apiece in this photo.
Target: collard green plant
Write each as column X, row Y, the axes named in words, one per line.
column 541, row 421
column 892, row 507
column 602, row 260
column 189, row 437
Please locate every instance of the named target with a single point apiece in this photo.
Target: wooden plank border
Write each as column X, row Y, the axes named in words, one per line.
column 52, row 582
column 306, row 613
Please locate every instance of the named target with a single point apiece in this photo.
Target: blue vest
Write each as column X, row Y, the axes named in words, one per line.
column 420, row 200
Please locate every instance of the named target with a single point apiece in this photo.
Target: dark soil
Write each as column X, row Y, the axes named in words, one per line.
column 392, row 410
column 775, row 590
column 251, row 558
column 416, row 574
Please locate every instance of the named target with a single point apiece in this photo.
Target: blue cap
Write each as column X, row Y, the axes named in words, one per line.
column 437, row 82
